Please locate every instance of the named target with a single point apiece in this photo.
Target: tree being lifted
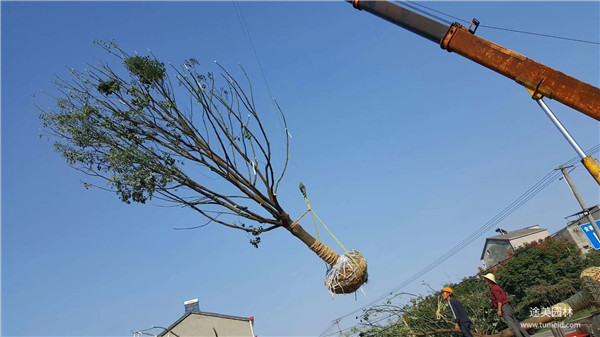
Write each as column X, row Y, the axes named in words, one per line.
column 133, row 134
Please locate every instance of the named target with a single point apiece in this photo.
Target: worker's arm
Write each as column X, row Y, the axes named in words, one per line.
column 499, row 308
column 454, row 307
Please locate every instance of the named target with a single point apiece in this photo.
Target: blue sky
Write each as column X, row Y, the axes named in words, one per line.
column 405, row 150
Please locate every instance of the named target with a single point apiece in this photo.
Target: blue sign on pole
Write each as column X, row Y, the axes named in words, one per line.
column 588, row 230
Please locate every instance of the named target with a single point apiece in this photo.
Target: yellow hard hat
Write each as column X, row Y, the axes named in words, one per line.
column 448, row 290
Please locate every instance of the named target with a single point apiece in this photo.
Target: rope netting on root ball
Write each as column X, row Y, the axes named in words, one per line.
column 348, row 274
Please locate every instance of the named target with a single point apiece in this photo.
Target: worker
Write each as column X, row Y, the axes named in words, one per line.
column 500, row 302
column 462, row 322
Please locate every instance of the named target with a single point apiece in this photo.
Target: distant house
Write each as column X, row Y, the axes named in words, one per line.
column 572, row 232
column 496, row 248
column 195, row 323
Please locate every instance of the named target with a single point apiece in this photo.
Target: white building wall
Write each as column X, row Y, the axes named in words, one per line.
column 518, row 242
column 197, row 325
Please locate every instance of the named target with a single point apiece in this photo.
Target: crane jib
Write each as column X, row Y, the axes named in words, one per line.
column 539, row 78
column 416, row 23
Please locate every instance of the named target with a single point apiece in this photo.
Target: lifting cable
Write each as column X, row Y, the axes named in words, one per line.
column 315, row 216
column 412, row 4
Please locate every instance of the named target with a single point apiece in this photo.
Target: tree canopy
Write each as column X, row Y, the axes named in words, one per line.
column 128, row 128
column 536, row 275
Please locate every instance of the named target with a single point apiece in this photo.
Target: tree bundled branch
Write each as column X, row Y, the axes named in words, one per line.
column 134, row 135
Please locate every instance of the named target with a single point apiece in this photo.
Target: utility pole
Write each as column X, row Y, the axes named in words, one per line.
column 590, row 218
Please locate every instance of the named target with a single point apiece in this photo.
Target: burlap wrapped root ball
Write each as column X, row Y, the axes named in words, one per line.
column 589, row 294
column 590, row 284
column 347, row 274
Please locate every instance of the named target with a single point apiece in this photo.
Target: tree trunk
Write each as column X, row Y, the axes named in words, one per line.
column 325, row 253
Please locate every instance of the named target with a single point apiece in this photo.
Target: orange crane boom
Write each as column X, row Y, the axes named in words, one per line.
column 538, row 78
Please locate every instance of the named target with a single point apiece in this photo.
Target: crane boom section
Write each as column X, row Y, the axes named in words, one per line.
column 541, row 79
column 416, row 23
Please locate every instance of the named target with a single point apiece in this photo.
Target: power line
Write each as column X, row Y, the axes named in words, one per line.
column 375, row 321
column 412, row 5
column 521, row 200
column 499, row 217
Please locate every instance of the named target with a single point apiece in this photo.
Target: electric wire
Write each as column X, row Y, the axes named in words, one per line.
column 538, row 187
column 463, row 243
column 524, row 198
column 503, row 214
column 375, row 321
column 530, row 193
column 413, row 4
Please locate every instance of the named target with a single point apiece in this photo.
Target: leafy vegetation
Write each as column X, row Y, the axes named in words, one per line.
column 539, row 274
column 211, row 154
